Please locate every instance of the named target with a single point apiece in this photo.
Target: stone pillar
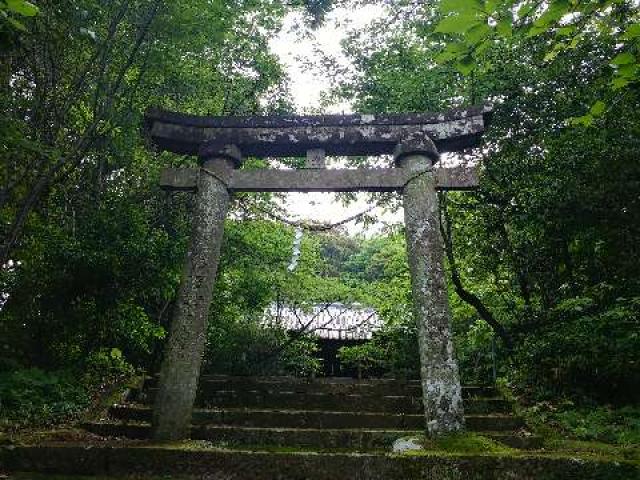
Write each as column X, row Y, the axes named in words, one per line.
column 441, row 391
column 180, row 369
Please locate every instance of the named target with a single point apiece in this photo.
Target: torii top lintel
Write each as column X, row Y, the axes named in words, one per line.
column 291, row 136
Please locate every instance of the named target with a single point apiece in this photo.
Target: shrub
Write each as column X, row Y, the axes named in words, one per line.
column 365, row 358
column 588, row 349
column 392, row 351
column 245, row 347
column 619, row 426
column 35, row 397
column 106, row 365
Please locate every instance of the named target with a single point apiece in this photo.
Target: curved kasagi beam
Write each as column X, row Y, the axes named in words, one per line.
column 292, row 136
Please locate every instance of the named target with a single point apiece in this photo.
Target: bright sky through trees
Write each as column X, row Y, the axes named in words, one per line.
column 298, row 49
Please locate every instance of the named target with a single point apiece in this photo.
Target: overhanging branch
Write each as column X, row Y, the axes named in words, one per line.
column 466, row 295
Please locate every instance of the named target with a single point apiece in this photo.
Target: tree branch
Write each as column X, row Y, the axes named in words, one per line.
column 466, row 295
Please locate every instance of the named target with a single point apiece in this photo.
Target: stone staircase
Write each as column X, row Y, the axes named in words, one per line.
column 335, row 414
column 282, row 428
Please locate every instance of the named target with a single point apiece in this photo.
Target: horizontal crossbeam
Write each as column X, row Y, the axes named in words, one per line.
column 350, row 135
column 322, row 180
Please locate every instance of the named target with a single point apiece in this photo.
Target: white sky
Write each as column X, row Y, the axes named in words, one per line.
column 306, row 87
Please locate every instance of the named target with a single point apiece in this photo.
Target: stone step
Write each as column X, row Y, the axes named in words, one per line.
column 311, row 438
column 331, row 402
column 210, row 384
column 317, row 419
column 124, row 461
column 234, row 436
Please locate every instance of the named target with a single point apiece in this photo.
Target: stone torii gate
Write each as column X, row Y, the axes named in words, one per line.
column 415, row 140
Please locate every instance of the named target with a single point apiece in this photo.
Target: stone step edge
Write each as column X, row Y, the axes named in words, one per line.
column 367, row 395
column 346, row 403
column 401, row 432
column 293, row 411
column 147, row 425
column 142, row 430
column 317, row 380
column 330, row 395
column 245, row 465
column 212, row 383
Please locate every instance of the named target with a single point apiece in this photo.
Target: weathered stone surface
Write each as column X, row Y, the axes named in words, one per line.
column 361, row 439
column 343, row 180
column 183, row 355
column 294, row 136
column 246, row 465
column 442, row 394
column 418, row 145
column 279, row 418
column 210, row 384
column 179, row 179
column 407, row 404
column 316, row 158
column 337, row 120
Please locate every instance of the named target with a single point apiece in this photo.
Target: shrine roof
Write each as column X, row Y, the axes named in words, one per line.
column 335, row 321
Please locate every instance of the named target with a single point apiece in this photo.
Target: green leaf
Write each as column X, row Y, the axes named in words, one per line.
column 536, row 30
column 504, row 28
column 466, row 65
column 451, row 51
column 477, row 33
column 618, row 83
column 554, row 13
column 525, row 9
column 16, row 24
column 584, row 120
column 550, row 56
column 460, row 6
column 598, row 108
column 575, row 41
column 457, row 23
column 22, row 7
column 566, row 31
column 490, row 6
column 623, row 58
column 632, row 32
column 628, row 71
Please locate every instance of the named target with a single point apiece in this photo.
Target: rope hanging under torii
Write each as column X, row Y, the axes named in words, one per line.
column 312, row 225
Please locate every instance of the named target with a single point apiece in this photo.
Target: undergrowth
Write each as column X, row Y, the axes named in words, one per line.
column 617, row 426
column 33, row 397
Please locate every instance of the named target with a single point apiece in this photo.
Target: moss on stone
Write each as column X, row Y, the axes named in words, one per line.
column 125, row 463
column 469, row 442
column 464, row 443
column 595, row 450
column 42, row 476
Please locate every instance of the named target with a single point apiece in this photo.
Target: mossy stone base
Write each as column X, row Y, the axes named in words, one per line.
column 239, row 465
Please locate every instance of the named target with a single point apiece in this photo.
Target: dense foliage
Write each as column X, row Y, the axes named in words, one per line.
column 548, row 244
column 91, row 250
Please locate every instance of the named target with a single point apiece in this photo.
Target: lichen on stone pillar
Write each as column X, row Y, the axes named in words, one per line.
column 187, row 338
column 441, row 390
